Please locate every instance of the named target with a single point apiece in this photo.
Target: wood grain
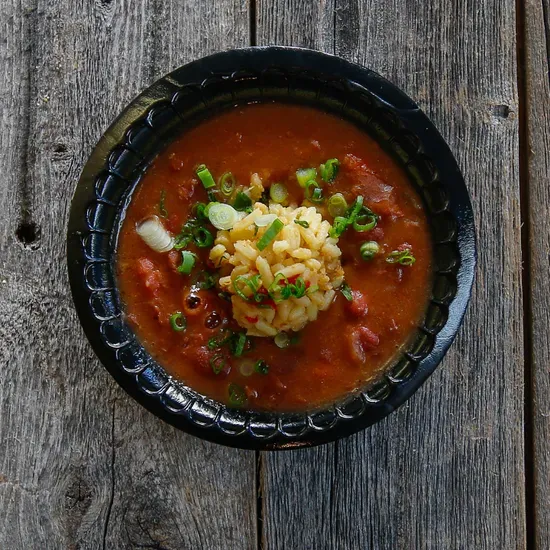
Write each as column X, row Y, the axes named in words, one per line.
column 537, row 67
column 81, row 465
column 446, row 470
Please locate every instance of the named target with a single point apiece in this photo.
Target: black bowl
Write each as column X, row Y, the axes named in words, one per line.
column 194, row 92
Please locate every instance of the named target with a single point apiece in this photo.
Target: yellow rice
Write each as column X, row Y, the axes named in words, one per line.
column 307, row 252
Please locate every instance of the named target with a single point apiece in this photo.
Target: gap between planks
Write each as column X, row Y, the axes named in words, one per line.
column 521, row 45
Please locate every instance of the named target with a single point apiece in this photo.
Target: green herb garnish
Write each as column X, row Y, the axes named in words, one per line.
column 402, row 257
column 178, row 322
column 346, row 292
column 261, row 367
column 237, row 395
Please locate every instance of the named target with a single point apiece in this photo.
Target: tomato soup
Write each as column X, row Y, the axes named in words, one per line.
column 274, row 257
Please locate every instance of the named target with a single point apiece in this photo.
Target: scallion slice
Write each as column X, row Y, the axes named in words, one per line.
column 365, row 220
column 338, row 227
column 261, row 367
column 329, row 170
column 237, row 395
column 200, row 211
column 227, row 184
column 265, row 220
column 240, row 342
column 402, row 257
column 202, row 237
column 222, row 216
column 272, row 231
column 178, row 322
column 242, row 201
column 302, row 223
column 346, row 292
column 188, row 260
column 253, row 284
column 205, row 176
column 218, row 363
column 282, row 340
column 369, row 250
column 247, row 367
column 303, row 175
column 337, row 205
column 313, row 192
column 278, row 193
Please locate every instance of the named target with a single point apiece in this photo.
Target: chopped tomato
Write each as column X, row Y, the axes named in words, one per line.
column 174, row 259
column 151, row 277
column 361, row 341
column 375, row 191
column 251, row 319
column 358, row 307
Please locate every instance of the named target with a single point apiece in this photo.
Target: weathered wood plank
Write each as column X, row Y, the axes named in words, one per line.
column 81, row 465
column 537, row 37
column 446, row 470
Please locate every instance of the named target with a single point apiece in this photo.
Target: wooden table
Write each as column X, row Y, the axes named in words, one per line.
column 465, row 464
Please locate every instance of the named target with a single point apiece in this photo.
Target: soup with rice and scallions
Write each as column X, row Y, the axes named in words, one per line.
column 275, row 258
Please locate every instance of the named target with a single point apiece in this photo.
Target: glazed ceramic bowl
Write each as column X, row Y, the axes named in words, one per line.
column 195, row 92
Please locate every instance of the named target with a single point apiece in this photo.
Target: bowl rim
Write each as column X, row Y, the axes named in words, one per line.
column 387, row 95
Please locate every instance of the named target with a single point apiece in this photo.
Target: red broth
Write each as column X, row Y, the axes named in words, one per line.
column 349, row 344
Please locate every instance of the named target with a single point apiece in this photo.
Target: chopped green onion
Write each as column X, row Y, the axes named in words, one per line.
column 200, row 211
column 187, row 262
column 178, row 322
column 227, row 184
column 355, row 209
column 222, row 216
column 239, row 344
column 369, row 250
column 242, row 201
column 303, row 175
column 246, row 367
column 237, row 395
column 162, row 206
column 329, row 170
column 365, row 220
column 253, row 284
column 193, row 231
column 203, row 238
column 299, row 289
column 261, row 367
column 312, row 289
column 346, row 291
column 302, row 223
column 265, row 220
column 403, row 257
column 205, row 280
column 338, row 227
column 212, row 195
column 205, row 176
column 273, row 230
column 313, row 192
column 278, row 193
column 337, row 205
column 218, row 363
column 282, row 340
column 222, row 337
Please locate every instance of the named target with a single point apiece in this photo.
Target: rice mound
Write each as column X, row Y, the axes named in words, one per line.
column 296, row 251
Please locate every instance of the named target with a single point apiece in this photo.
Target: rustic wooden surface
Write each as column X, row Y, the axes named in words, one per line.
column 445, row 471
column 82, row 466
column 537, row 52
